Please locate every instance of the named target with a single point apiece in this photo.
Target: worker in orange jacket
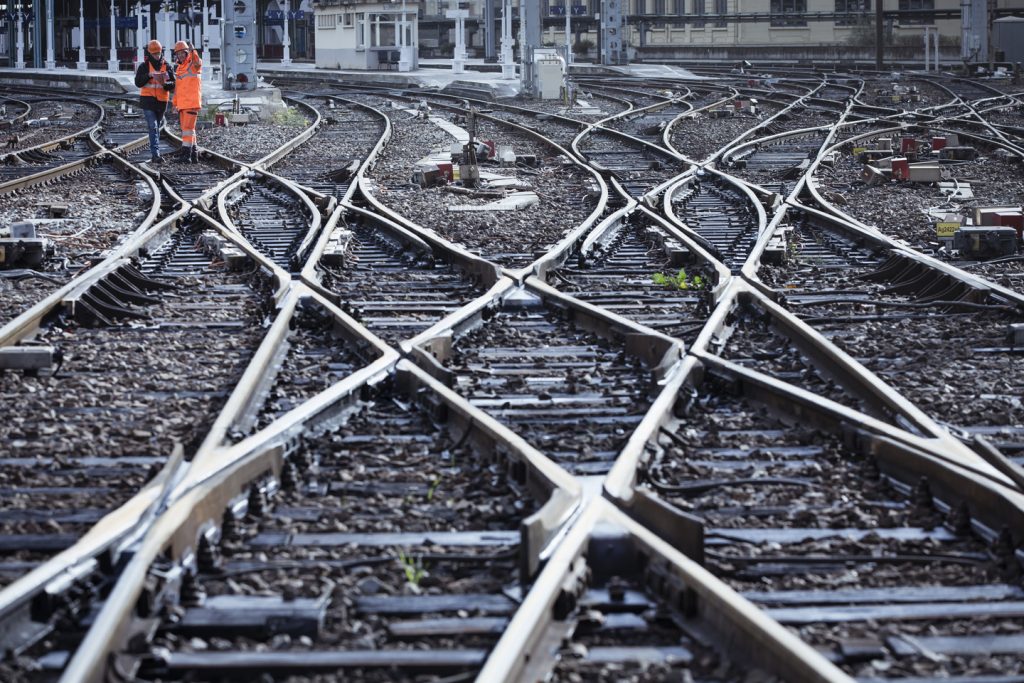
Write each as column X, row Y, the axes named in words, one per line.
column 188, row 96
column 156, row 83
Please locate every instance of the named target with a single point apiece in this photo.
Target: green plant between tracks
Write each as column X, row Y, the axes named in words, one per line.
column 678, row 281
column 413, row 568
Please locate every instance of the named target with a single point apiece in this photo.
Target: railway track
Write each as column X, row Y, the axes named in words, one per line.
column 46, row 136
column 275, row 217
column 683, row 431
column 721, row 213
column 132, row 384
column 637, row 166
column 540, row 177
column 531, row 368
column 327, row 163
column 391, row 284
column 859, row 297
column 831, row 567
column 79, row 223
column 639, row 268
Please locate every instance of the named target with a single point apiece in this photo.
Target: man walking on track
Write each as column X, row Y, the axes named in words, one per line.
column 155, row 82
column 188, row 96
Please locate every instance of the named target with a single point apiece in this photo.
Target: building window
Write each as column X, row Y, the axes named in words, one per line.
column 360, row 31
column 789, row 12
column 659, row 7
column 855, row 10
column 721, row 8
column 698, row 11
column 326, row 21
column 348, row 20
column 918, row 7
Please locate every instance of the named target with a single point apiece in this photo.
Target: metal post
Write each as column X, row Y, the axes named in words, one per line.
column 286, row 41
column 508, row 65
column 51, row 63
column 112, row 64
column 459, row 55
column 140, row 37
column 879, row 47
column 207, row 66
column 82, row 64
column 490, row 51
column 989, row 16
column 568, row 32
column 20, row 63
column 927, row 42
column 168, row 30
column 936, row 51
column 37, row 35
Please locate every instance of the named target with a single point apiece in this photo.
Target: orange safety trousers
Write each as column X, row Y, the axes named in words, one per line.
column 188, row 118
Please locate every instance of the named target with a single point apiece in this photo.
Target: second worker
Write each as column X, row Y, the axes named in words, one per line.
column 188, row 97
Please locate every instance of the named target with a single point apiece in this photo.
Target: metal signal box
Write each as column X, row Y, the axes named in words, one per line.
column 238, row 41
column 985, row 241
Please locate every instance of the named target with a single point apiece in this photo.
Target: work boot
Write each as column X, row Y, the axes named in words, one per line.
column 193, row 157
column 156, row 159
column 181, row 154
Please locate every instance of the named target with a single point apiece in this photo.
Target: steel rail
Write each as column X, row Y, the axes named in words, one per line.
column 526, row 648
column 50, row 145
column 221, row 476
column 241, row 409
column 748, row 133
column 975, row 282
column 666, row 135
column 24, row 115
column 196, row 508
column 264, row 163
column 366, row 187
column 744, row 189
column 752, row 264
column 239, row 185
column 28, row 322
column 834, row 363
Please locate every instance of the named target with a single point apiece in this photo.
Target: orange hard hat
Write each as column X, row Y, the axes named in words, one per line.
column 180, row 45
column 154, row 47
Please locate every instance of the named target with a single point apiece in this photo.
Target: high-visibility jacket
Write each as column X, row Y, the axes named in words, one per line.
column 188, row 83
column 152, row 88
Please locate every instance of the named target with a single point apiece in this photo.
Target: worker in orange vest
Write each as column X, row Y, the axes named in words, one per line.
column 155, row 82
column 188, row 98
